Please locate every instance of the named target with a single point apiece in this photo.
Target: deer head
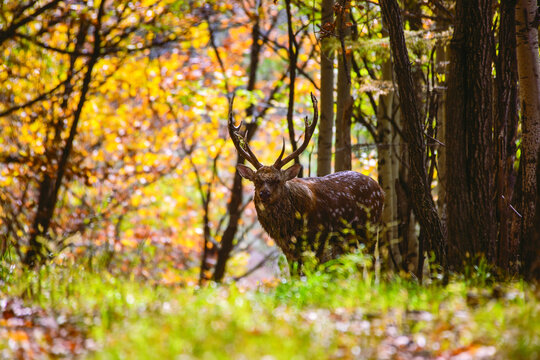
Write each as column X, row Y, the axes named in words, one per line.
column 269, row 180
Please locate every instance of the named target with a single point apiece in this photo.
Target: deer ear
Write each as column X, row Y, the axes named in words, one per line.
column 292, row 172
column 245, row 172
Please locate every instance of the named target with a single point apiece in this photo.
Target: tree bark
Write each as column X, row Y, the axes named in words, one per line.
column 470, row 160
column 326, row 123
column 534, row 271
column 293, row 60
column 506, row 121
column 529, row 89
column 387, row 163
column 344, row 98
column 411, row 251
column 423, row 204
column 441, row 58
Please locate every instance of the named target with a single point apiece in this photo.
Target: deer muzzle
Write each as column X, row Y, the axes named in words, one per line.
column 264, row 195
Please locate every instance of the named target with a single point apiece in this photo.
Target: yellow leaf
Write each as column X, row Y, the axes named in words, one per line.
column 18, row 336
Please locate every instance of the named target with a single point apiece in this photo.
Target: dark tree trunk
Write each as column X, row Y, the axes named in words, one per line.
column 293, row 60
column 412, row 254
column 469, row 146
column 234, row 208
column 205, row 267
column 344, row 101
column 506, row 121
column 423, row 204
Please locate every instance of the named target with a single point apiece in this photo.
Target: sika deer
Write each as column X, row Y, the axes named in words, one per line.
column 320, row 214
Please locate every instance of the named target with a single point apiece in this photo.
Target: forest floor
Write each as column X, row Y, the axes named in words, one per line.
column 342, row 312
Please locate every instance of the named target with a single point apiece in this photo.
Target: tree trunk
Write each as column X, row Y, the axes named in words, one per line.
column 529, row 90
column 234, row 208
column 293, row 60
column 506, row 121
column 441, row 55
column 534, row 271
column 344, row 98
column 409, row 239
column 326, row 123
column 388, row 165
column 423, row 204
column 469, row 146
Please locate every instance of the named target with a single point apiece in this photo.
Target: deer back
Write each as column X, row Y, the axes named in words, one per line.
column 346, row 198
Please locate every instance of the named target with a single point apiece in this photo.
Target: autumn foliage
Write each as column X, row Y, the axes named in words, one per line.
column 121, row 204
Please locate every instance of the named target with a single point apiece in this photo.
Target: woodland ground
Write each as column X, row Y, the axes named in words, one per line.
column 344, row 311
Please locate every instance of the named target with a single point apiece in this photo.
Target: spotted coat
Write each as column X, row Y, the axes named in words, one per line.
column 318, row 213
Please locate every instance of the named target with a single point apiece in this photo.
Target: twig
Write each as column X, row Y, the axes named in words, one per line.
column 513, row 208
column 269, row 256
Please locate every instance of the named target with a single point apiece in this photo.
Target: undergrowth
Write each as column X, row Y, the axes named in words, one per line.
column 341, row 311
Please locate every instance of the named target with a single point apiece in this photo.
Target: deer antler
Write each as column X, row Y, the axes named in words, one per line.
column 280, row 155
column 310, row 129
column 239, row 140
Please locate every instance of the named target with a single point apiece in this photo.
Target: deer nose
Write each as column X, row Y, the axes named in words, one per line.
column 264, row 195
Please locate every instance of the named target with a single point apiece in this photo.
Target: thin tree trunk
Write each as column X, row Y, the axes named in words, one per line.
column 409, row 239
column 529, row 89
column 388, row 165
column 423, row 204
column 469, row 146
column 344, row 98
column 206, row 198
column 441, row 124
column 293, row 59
column 326, row 123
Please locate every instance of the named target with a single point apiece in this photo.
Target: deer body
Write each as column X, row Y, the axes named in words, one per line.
column 325, row 214
column 315, row 213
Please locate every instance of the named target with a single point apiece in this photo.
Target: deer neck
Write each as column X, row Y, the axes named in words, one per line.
column 300, row 195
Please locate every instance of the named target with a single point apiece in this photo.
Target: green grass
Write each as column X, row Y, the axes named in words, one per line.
column 341, row 312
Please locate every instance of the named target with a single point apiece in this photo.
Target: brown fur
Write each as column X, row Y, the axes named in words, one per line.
column 314, row 214
column 323, row 214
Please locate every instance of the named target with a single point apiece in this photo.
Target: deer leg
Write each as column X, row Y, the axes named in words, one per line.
column 320, row 243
